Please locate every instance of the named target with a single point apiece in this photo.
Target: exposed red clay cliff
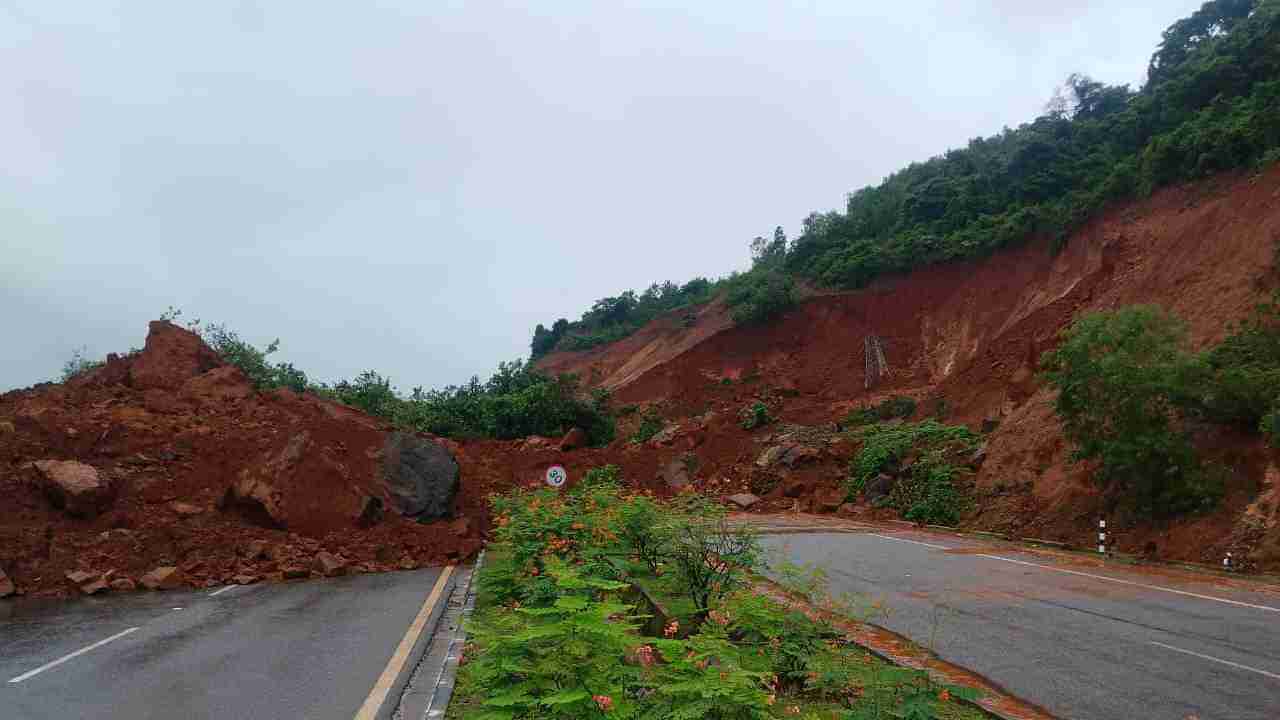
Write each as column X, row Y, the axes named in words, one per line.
column 971, row 334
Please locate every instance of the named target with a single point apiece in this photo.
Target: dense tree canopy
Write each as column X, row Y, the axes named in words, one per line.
column 1211, row 103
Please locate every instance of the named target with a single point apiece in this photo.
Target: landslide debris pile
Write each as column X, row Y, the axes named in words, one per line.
column 165, row 468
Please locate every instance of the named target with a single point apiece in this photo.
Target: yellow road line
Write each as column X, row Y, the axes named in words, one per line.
column 382, row 688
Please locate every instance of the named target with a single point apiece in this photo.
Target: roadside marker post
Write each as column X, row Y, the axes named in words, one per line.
column 1102, row 537
column 1226, row 563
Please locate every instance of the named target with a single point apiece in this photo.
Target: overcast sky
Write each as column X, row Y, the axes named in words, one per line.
column 412, row 186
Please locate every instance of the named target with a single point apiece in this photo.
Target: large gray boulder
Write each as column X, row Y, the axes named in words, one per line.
column 421, row 476
column 879, row 487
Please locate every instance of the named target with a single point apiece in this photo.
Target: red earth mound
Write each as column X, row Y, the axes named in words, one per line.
column 964, row 339
column 168, row 458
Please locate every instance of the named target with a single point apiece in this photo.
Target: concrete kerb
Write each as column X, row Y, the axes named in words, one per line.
column 389, row 708
column 427, row 690
column 979, row 705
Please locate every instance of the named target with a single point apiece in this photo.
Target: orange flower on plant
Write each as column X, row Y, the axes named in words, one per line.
column 644, row 655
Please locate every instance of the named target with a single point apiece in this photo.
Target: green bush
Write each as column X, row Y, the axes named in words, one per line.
column 644, row 529
column 613, row 318
column 898, row 406
column 928, row 492
column 929, row 495
column 560, row 660
column 755, row 416
column 605, row 477
column 554, row 637
column 79, row 364
column 759, row 295
column 370, row 392
column 545, row 524
column 885, row 445
column 651, row 423
column 711, row 557
column 233, row 349
column 1120, row 376
column 784, row 639
column 1238, row 380
column 515, row 402
column 704, row 678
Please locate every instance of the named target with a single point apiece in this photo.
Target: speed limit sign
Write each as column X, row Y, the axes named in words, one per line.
column 556, row 476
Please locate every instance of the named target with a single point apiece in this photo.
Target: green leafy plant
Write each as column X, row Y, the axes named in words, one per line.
column 704, row 678
column 926, row 492
column 757, row 415
column 517, row 401
column 252, row 361
column 1238, row 380
column 651, row 423
column 898, row 406
column 759, row 295
column 644, row 528
column 784, row 639
column 78, row 364
column 613, row 318
column 1118, row 376
column 554, row 636
column 561, row 660
column 712, row 558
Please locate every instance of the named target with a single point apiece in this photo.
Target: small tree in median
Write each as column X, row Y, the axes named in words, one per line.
column 644, row 530
column 711, row 557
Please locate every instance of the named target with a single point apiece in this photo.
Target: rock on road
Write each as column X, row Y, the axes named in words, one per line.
column 297, row 650
column 1085, row 640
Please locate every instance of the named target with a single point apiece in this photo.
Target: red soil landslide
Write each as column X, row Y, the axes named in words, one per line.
column 165, row 433
column 970, row 334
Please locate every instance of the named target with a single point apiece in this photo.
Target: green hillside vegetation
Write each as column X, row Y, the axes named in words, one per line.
column 1131, row 396
column 515, row 402
column 1211, row 103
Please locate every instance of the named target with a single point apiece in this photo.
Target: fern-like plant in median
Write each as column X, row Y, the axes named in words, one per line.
column 559, row 662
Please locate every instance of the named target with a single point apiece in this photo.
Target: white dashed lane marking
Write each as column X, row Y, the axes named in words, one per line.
column 70, row 656
column 1217, row 660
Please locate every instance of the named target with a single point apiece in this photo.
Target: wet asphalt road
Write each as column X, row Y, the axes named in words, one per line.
column 298, row 650
column 1082, row 647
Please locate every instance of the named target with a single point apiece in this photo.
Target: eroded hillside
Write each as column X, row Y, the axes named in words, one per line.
column 964, row 340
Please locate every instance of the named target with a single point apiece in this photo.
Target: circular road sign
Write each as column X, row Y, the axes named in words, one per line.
column 556, row 476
